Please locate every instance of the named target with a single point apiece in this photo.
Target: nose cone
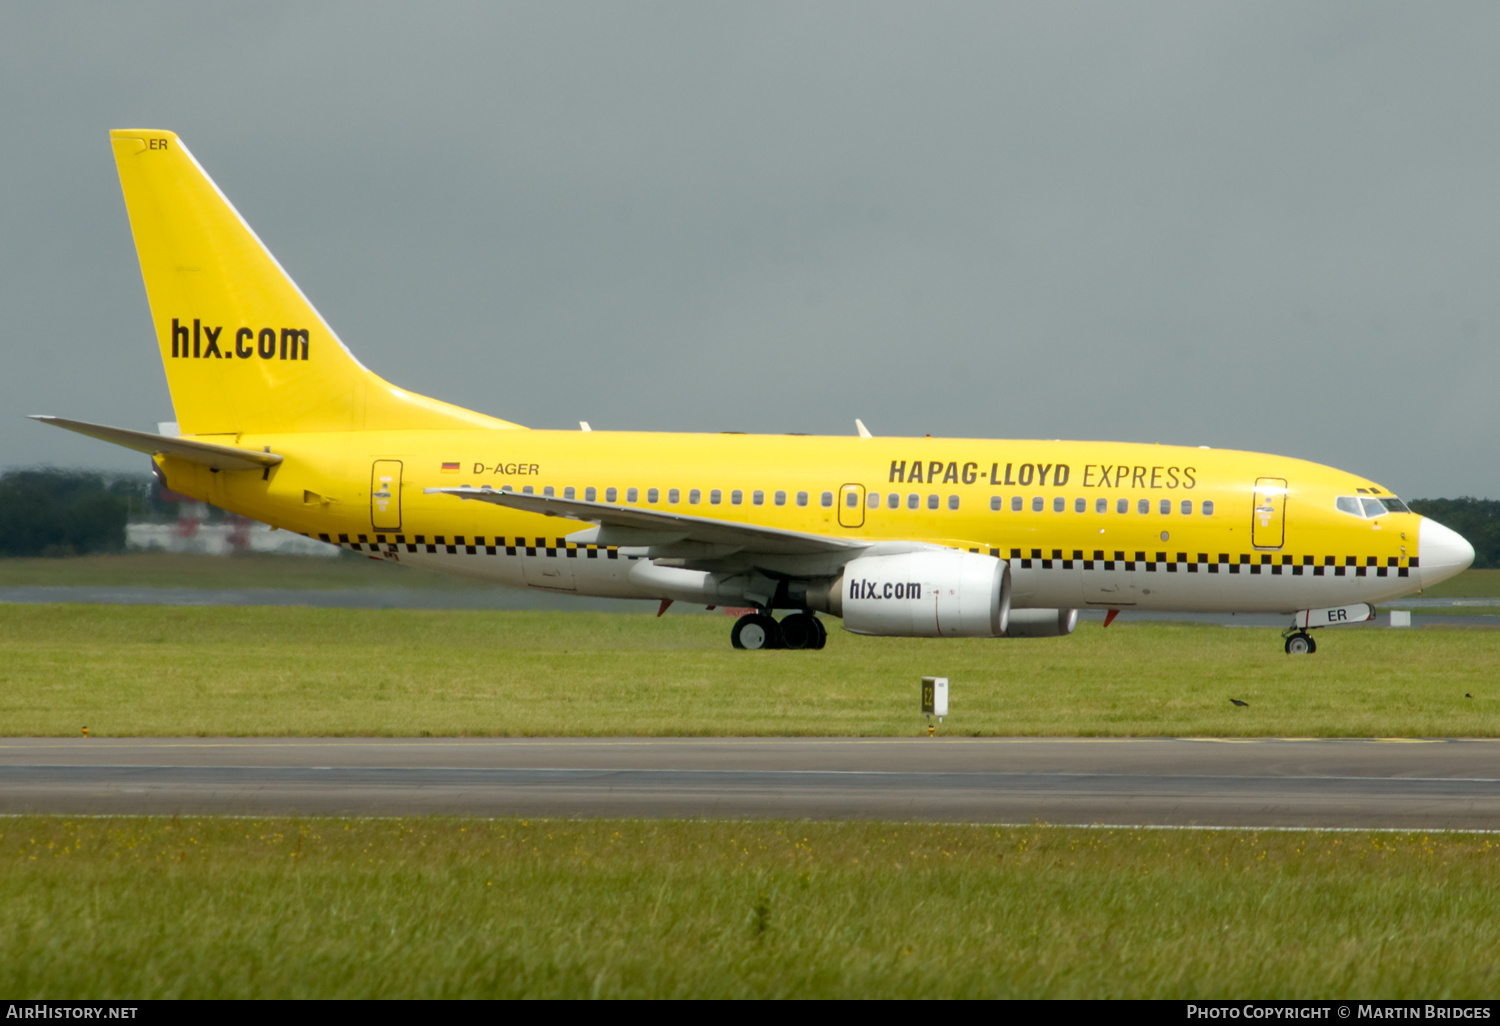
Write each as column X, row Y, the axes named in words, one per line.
column 1443, row 553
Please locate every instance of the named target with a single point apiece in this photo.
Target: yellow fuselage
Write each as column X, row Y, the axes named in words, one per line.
column 1102, row 524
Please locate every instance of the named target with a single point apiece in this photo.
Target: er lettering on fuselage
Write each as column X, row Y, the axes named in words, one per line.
column 917, row 537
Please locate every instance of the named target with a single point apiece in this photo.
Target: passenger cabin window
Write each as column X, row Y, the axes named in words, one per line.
column 1123, row 506
column 1208, row 507
column 715, row 497
column 1101, row 505
column 1037, row 503
column 736, row 497
column 548, row 491
column 781, row 498
column 652, row 495
column 632, row 494
column 995, row 503
column 589, row 494
column 674, row 496
column 1187, row 507
column 953, row 502
column 851, row 499
column 1143, row 507
column 826, row 499
column 873, row 501
column 893, row 501
column 694, row 496
column 569, row 493
column 528, row 490
column 1016, row 502
column 913, row 502
column 1080, row 505
column 802, row 498
column 610, row 494
column 758, row 497
column 1165, row 508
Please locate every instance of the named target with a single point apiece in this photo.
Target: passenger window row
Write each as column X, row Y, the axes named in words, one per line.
column 737, row 497
column 893, row 501
column 1101, row 505
column 913, row 501
column 674, row 496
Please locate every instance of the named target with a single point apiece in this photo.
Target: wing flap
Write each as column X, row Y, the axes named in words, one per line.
column 652, row 523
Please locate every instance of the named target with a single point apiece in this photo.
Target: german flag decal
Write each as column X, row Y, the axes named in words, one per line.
column 450, row 468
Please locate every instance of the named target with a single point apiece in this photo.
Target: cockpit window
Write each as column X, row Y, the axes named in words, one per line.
column 1368, row 507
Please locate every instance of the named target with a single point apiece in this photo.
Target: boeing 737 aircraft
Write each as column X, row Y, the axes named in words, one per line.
column 911, row 537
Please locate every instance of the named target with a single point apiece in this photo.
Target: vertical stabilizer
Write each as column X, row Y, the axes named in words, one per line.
column 245, row 352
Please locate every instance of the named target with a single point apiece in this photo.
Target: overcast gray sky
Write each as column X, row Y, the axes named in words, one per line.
column 1250, row 225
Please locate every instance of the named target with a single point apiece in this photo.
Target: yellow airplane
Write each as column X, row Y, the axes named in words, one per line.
column 911, row 537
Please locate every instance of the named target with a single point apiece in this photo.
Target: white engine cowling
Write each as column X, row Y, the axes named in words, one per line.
column 926, row 595
column 1041, row 623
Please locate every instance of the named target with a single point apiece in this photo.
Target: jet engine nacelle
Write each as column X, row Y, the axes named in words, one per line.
column 1041, row 623
column 931, row 594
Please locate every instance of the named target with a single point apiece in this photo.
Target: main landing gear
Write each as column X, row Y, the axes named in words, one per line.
column 760, row 630
column 1300, row 643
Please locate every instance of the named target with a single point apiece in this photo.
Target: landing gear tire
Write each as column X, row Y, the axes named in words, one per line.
column 755, row 631
column 822, row 638
column 1301, row 643
column 803, row 630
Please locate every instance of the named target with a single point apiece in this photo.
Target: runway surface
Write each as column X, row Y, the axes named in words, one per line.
column 1424, row 784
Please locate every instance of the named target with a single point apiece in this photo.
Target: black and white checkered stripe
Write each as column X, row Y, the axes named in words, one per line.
column 1202, row 562
column 477, row 545
column 1153, row 562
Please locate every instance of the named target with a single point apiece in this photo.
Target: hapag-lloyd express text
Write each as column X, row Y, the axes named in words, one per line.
column 1024, row 475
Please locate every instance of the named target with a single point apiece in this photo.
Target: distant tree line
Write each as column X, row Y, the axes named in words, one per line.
column 51, row 512
column 1478, row 520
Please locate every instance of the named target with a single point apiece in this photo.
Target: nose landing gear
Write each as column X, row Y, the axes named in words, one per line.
column 1300, row 643
column 755, row 631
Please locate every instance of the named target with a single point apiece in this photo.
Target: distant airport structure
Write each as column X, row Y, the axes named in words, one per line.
column 193, row 533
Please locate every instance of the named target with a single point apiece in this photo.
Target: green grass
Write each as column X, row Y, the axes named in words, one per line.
column 427, row 908
column 250, row 570
column 153, row 670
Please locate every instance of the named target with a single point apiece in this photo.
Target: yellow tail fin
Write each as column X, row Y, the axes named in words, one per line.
column 245, row 352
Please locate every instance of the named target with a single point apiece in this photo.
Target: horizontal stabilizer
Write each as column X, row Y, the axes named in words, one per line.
column 218, row 457
column 659, row 525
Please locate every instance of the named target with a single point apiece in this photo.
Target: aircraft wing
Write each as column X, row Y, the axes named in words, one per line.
column 631, row 525
column 219, row 457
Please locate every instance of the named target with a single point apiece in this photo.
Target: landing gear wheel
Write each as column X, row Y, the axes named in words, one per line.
column 1301, row 643
column 755, row 631
column 822, row 632
column 803, row 630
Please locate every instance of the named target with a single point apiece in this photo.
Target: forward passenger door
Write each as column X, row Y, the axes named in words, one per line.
column 1268, row 521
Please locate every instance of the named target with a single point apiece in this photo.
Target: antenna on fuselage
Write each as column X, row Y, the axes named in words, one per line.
column 859, row 426
column 583, row 425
